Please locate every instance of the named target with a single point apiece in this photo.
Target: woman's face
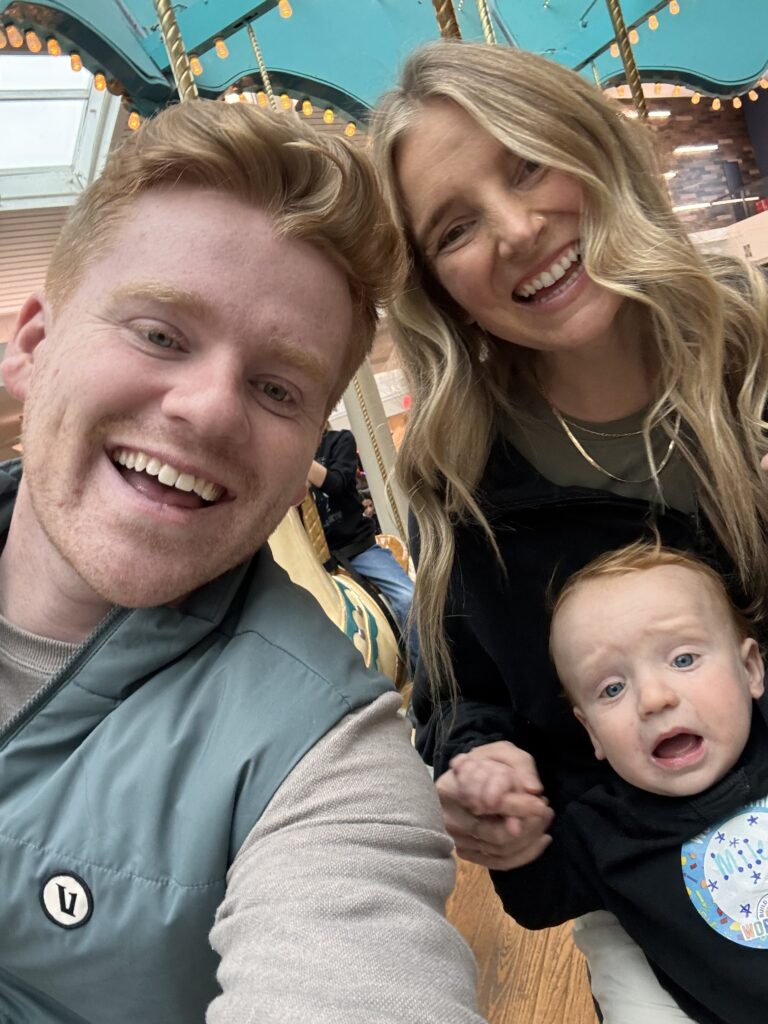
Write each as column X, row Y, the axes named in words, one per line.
column 501, row 235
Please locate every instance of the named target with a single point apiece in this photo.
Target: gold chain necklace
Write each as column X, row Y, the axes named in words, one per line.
column 601, row 469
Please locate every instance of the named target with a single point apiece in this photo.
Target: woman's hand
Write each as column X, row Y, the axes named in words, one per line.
column 494, row 808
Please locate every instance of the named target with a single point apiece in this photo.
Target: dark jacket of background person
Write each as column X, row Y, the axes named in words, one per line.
column 347, row 530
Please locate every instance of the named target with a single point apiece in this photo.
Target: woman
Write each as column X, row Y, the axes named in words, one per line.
column 578, row 371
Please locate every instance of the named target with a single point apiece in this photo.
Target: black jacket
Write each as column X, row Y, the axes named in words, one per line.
column 687, row 877
column 347, row 530
column 498, row 623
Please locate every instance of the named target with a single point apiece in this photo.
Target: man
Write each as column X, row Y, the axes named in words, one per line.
column 188, row 746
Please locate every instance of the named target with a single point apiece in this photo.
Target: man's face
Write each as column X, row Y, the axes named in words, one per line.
column 202, row 343
column 658, row 676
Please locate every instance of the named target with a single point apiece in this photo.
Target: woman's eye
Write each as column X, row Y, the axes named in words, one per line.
column 451, row 236
column 160, row 338
column 683, row 660
column 612, row 690
column 275, row 391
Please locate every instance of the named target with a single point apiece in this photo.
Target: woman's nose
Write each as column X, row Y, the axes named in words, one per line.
column 518, row 226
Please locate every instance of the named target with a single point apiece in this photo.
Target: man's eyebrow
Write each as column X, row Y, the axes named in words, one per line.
column 166, row 295
column 287, row 350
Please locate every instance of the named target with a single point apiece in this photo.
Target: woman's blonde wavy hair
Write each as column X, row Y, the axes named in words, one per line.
column 707, row 315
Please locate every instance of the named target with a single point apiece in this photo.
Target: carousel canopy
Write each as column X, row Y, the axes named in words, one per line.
column 344, row 53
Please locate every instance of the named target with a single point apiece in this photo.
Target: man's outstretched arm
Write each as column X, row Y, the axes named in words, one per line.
column 334, row 904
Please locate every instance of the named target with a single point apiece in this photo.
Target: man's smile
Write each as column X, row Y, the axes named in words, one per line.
column 164, row 482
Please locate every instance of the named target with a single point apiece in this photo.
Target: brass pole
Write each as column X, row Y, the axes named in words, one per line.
column 627, row 58
column 446, row 19
column 262, row 67
column 174, row 45
column 370, row 429
column 485, row 21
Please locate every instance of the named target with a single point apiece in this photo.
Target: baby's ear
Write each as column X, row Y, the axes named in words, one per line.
column 582, row 718
column 753, row 664
column 19, row 361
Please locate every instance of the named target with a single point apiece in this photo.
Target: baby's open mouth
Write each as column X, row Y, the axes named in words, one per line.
column 164, row 483
column 678, row 748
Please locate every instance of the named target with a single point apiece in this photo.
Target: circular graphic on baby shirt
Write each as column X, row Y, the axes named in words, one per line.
column 725, row 871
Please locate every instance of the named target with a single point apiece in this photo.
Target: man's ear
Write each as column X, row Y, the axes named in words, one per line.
column 18, row 364
column 599, row 752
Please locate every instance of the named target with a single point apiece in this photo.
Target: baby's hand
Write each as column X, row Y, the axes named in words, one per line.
column 481, row 785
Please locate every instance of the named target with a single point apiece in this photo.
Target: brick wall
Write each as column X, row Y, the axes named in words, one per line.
column 700, row 176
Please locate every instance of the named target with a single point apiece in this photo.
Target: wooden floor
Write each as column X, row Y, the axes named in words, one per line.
column 524, row 977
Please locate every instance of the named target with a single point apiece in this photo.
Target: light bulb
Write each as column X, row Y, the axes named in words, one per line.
column 221, row 48
column 736, row 102
column 350, row 130
column 614, row 49
column 285, row 9
column 696, row 98
column 752, row 95
column 674, row 7
column 75, row 62
column 15, row 38
column 653, row 23
column 195, row 65
column 33, row 41
column 261, row 99
column 134, row 120
column 634, row 37
column 306, row 108
column 53, row 47
column 285, row 101
column 328, row 116
column 99, row 82
column 716, row 104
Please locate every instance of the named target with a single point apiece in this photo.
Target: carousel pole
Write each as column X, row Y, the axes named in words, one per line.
column 446, row 19
column 485, row 21
column 627, row 58
column 265, row 80
column 368, row 422
column 174, row 45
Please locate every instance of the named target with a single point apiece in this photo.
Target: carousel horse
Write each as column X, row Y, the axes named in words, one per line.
column 298, row 545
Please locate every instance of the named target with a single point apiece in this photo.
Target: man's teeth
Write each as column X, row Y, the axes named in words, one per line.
column 167, row 475
column 551, row 275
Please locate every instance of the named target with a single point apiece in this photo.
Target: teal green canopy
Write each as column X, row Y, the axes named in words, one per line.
column 345, row 53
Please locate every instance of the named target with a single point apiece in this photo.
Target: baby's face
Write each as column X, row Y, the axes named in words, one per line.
column 658, row 676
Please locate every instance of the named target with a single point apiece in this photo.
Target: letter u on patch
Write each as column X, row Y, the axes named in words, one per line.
column 66, row 900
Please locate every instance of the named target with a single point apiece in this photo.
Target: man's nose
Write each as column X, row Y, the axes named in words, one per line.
column 517, row 225
column 210, row 396
column 655, row 695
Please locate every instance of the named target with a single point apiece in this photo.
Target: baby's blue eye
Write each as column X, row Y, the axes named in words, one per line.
column 612, row 690
column 683, row 660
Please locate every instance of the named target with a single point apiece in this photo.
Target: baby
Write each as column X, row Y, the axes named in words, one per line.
column 663, row 673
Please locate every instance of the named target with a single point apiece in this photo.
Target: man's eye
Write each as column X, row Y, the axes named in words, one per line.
column 612, row 690
column 683, row 660
column 160, row 338
column 275, row 391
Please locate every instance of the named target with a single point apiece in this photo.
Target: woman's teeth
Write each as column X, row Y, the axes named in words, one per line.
column 166, row 474
column 551, row 276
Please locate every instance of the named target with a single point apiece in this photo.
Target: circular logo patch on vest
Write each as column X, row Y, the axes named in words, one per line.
column 725, row 871
column 66, row 900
